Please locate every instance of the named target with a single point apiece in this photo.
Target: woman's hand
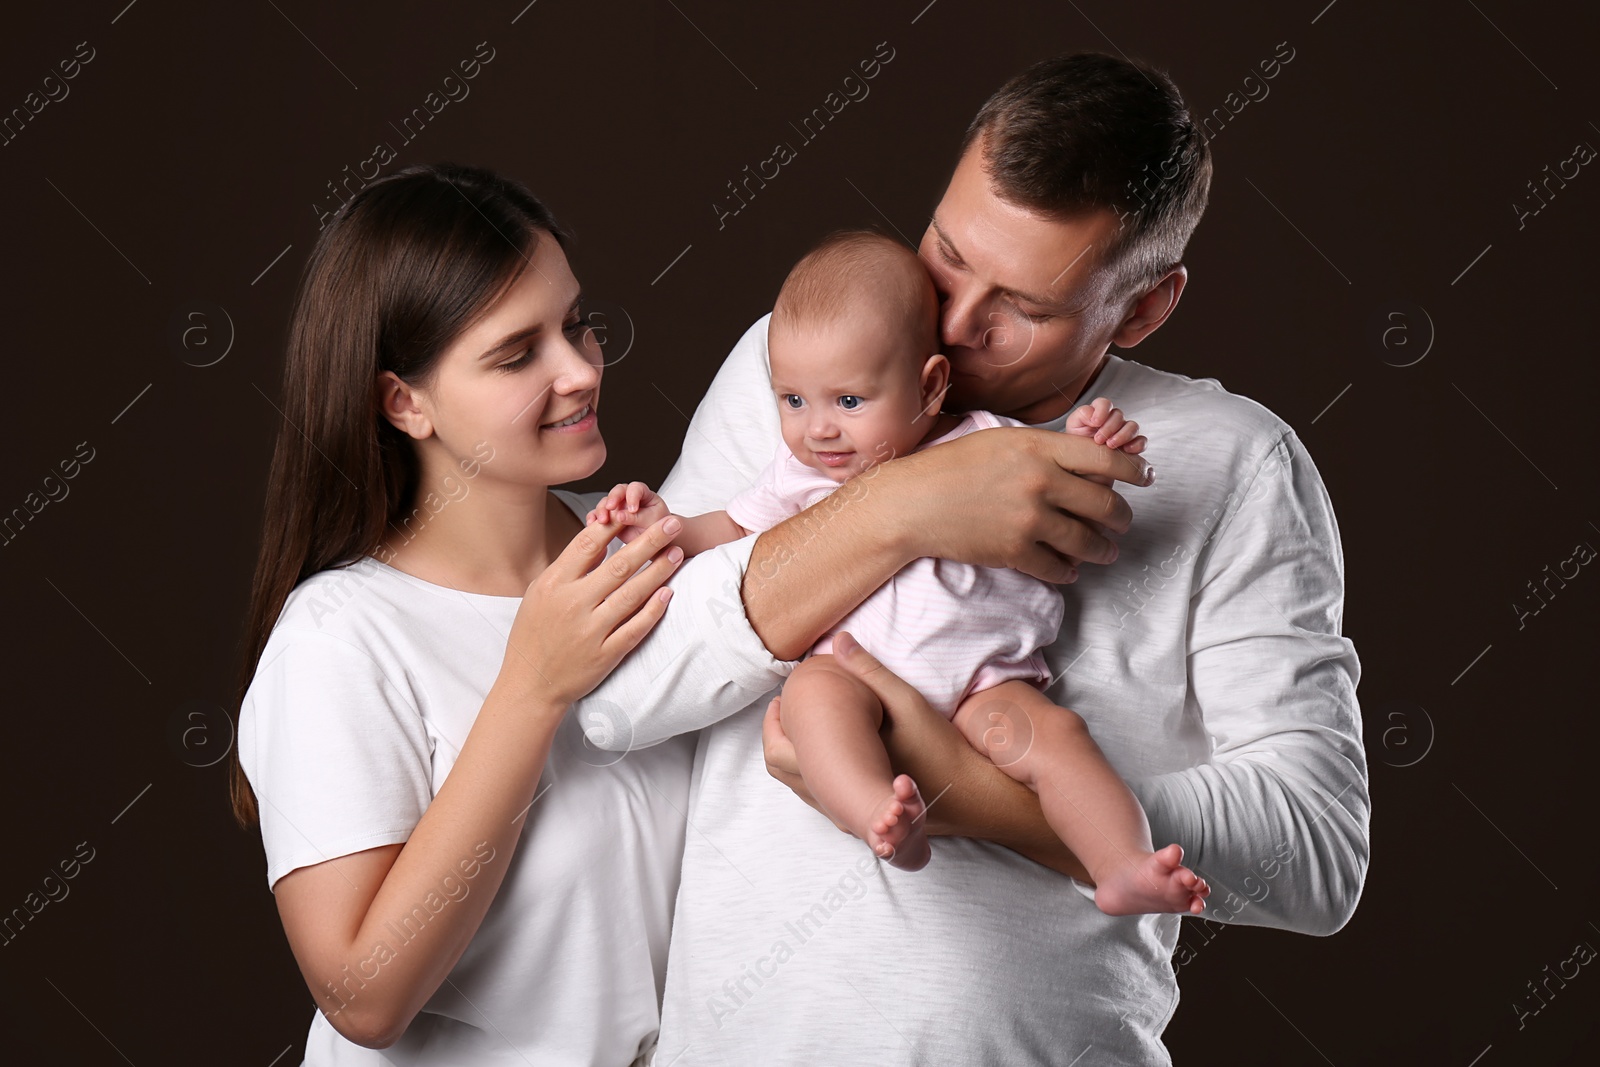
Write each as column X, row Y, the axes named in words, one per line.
column 1011, row 496
column 635, row 503
column 578, row 618
column 585, row 612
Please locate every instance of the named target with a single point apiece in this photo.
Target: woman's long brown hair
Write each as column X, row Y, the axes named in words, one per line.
column 396, row 275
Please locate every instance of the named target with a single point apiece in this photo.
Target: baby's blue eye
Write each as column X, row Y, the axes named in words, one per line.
column 792, row 400
column 849, row 403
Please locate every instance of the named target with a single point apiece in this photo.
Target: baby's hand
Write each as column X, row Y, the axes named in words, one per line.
column 1107, row 425
column 633, row 504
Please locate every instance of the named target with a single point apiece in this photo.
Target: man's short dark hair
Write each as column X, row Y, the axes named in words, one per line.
column 1088, row 131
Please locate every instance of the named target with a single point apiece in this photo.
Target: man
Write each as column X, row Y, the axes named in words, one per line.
column 1203, row 649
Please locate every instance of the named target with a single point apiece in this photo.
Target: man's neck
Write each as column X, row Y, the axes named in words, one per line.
column 1064, row 398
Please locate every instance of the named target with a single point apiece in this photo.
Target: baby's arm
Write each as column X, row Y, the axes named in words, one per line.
column 638, row 507
column 1109, row 427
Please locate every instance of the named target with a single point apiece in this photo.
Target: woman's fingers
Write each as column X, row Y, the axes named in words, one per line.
column 625, row 586
column 626, row 637
column 584, row 550
column 625, row 562
column 631, row 609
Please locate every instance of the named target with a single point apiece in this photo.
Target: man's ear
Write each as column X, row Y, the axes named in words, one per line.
column 399, row 404
column 934, row 383
column 1151, row 309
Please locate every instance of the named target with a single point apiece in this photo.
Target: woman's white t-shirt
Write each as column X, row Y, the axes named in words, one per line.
column 365, row 692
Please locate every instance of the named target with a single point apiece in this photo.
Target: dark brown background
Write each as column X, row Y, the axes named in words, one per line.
column 1385, row 159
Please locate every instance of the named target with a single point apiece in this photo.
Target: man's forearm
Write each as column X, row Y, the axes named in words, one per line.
column 810, row 571
column 1280, row 850
column 996, row 807
column 968, row 795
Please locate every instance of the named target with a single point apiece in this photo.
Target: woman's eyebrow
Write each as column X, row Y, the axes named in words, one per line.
column 526, row 332
column 509, row 340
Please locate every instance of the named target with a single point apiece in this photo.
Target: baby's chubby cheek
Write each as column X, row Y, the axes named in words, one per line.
column 869, row 456
column 888, row 448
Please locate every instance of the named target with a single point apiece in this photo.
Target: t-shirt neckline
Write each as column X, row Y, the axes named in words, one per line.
column 1109, row 370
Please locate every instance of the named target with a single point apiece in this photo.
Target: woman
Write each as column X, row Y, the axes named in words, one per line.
column 425, row 605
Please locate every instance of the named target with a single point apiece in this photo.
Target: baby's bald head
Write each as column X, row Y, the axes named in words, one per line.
column 853, row 350
column 864, row 281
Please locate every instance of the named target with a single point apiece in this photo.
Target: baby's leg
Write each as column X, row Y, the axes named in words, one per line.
column 1086, row 802
column 833, row 720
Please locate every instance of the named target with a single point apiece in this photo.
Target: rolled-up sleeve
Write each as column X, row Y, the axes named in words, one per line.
column 703, row 662
column 1278, row 819
column 700, row 664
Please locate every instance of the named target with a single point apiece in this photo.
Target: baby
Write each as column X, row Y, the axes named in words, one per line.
column 856, row 372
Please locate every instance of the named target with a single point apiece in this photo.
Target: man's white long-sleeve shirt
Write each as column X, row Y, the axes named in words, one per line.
column 1209, row 666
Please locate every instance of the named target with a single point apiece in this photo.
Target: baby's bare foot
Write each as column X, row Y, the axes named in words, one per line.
column 896, row 830
column 1152, row 882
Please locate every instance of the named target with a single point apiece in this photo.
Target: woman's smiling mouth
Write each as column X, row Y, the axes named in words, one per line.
column 577, row 422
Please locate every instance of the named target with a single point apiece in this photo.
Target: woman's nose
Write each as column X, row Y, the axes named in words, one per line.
column 577, row 373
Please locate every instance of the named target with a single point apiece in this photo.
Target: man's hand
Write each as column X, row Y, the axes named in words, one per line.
column 781, row 761
column 921, row 742
column 1106, row 425
column 1013, row 497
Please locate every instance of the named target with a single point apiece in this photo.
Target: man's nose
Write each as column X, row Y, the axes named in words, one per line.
column 960, row 325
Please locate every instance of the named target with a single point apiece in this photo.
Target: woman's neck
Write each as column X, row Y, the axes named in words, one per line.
column 491, row 538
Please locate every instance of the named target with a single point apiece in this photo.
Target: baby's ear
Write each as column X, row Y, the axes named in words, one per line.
column 935, row 378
